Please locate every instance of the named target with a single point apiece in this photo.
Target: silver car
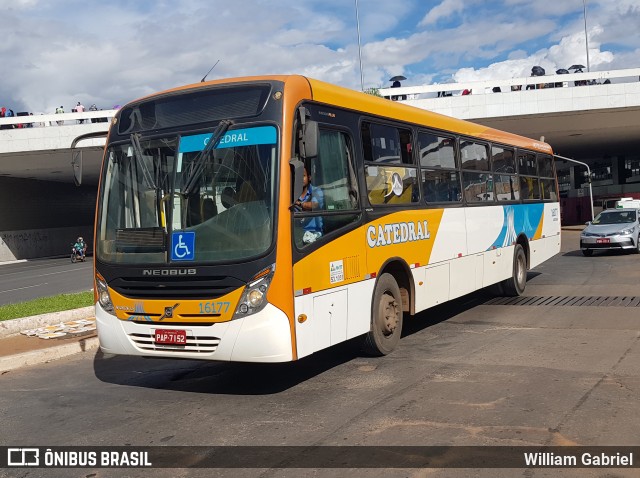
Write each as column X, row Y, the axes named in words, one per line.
column 612, row 229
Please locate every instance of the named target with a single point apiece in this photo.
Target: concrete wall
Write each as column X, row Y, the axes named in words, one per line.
column 33, row 243
column 534, row 102
column 41, row 219
column 46, row 134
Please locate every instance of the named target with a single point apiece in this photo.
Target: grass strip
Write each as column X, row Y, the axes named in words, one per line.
column 44, row 305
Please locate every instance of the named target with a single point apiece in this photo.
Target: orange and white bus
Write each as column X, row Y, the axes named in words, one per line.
column 203, row 251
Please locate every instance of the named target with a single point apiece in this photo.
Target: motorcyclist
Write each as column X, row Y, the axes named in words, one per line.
column 80, row 247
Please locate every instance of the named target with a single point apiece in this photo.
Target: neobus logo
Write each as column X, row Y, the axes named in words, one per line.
column 169, row 272
column 397, row 233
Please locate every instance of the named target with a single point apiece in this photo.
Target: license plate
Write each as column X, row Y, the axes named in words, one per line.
column 171, row 337
column 606, row 240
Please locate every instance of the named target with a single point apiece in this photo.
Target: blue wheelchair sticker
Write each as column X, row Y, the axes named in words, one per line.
column 183, row 246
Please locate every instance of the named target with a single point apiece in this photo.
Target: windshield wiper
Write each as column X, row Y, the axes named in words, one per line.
column 137, row 153
column 197, row 165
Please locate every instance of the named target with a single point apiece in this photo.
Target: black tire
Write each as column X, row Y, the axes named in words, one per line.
column 74, row 258
column 496, row 290
column 386, row 318
column 515, row 285
column 587, row 252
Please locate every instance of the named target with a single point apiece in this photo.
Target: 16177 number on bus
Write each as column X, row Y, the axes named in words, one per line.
column 214, row 307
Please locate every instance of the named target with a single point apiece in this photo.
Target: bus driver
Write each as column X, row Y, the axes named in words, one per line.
column 312, row 198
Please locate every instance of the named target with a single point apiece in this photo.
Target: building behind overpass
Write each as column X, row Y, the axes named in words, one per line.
column 599, row 123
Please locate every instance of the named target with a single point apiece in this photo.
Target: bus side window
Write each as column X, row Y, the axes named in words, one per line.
column 334, row 171
column 390, row 171
column 440, row 179
column 477, row 180
column 334, row 180
column 547, row 177
column 506, row 184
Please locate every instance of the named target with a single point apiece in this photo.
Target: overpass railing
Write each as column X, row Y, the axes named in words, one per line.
column 60, row 119
column 519, row 85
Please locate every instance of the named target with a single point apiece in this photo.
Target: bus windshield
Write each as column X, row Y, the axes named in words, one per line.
column 149, row 214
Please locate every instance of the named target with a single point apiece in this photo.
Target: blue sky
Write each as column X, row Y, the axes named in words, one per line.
column 58, row 52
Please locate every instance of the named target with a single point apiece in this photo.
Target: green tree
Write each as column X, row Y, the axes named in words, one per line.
column 373, row 92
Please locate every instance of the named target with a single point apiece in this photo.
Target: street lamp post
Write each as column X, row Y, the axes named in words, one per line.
column 586, row 37
column 359, row 47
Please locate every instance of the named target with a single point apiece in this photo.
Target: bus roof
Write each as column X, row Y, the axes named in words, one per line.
column 355, row 100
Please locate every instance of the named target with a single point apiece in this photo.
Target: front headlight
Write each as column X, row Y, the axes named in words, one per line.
column 254, row 297
column 103, row 295
column 627, row 232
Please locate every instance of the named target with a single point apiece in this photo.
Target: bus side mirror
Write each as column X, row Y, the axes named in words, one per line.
column 309, row 141
column 297, row 170
column 76, row 164
column 76, row 156
column 308, row 134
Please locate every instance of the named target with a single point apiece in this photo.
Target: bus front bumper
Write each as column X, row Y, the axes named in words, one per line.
column 261, row 337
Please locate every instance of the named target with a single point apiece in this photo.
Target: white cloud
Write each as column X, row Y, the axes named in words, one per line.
column 18, row 5
column 571, row 50
column 58, row 52
column 444, row 10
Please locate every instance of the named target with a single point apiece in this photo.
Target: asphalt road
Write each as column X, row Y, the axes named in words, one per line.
column 466, row 373
column 26, row 280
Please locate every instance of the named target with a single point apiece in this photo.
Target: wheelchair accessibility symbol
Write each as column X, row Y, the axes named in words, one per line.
column 183, row 245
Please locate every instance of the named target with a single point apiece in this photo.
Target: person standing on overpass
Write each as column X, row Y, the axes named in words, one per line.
column 80, row 109
column 60, row 110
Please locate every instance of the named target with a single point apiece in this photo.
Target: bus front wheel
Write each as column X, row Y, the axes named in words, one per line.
column 386, row 317
column 514, row 286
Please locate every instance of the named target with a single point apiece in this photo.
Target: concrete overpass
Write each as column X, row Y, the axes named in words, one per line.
column 43, row 211
column 578, row 121
column 42, row 152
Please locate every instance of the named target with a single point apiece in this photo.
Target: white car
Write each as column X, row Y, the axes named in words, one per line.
column 612, row 229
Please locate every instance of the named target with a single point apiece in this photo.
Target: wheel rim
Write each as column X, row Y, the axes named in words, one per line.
column 388, row 314
column 521, row 272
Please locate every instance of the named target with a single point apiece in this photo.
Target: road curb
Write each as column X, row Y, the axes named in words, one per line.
column 14, row 326
column 35, row 357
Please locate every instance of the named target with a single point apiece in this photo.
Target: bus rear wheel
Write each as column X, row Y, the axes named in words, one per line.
column 514, row 286
column 386, row 317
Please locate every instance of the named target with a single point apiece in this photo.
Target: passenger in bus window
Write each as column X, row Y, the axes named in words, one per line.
column 311, row 199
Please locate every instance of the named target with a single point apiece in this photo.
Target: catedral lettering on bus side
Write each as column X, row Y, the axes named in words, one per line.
column 387, row 234
column 265, row 205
